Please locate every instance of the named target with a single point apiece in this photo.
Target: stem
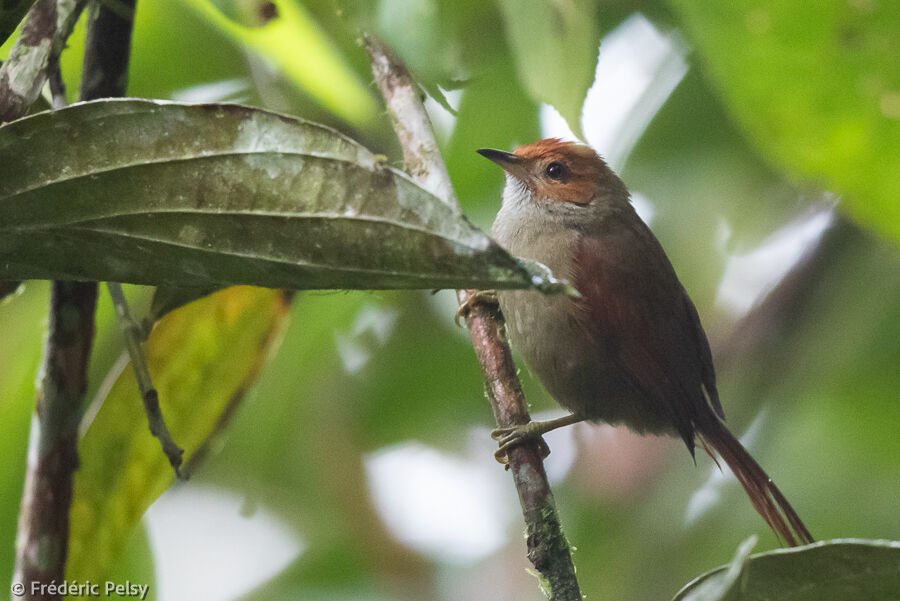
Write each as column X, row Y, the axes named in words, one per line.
column 104, row 72
column 548, row 550
column 42, row 540
column 44, row 32
column 133, row 336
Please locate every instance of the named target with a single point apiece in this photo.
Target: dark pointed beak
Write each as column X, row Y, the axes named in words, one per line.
column 498, row 156
column 511, row 163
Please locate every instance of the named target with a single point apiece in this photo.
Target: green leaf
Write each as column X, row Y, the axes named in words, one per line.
column 294, row 43
column 555, row 45
column 835, row 570
column 718, row 584
column 207, row 196
column 817, row 87
column 203, row 358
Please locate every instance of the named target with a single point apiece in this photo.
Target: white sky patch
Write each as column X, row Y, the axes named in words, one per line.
column 442, row 505
column 443, row 120
column 233, row 90
column 643, row 206
column 355, row 348
column 453, row 506
column 749, row 277
column 637, row 69
column 204, row 548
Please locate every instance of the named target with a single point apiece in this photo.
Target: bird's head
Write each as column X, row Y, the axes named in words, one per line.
column 552, row 171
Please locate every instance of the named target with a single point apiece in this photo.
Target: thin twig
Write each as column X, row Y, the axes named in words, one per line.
column 133, row 336
column 547, row 546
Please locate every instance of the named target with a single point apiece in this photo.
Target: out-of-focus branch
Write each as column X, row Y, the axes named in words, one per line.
column 547, row 546
column 44, row 32
column 42, row 540
column 43, row 535
column 104, row 72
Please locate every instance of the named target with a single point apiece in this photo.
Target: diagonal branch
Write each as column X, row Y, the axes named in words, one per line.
column 44, row 32
column 548, row 550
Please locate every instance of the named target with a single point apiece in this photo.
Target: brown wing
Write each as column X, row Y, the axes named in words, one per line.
column 638, row 312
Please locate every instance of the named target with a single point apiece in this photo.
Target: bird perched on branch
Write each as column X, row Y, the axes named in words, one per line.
column 631, row 349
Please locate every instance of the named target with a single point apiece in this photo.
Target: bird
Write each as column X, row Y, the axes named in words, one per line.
column 629, row 348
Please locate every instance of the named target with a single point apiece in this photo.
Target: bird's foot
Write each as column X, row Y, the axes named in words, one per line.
column 512, row 436
column 484, row 297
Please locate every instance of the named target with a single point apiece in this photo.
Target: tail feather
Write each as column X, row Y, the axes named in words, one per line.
column 765, row 496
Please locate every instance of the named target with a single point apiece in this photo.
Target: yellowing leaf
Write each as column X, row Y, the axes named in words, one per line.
column 203, row 358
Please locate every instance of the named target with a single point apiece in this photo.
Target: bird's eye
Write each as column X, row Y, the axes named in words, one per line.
column 555, row 170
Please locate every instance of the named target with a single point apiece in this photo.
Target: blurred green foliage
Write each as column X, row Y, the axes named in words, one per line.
column 817, row 89
column 560, row 69
column 774, row 110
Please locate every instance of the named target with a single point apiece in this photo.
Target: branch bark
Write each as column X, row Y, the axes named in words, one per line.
column 43, row 534
column 44, row 33
column 548, row 549
column 107, row 49
column 42, row 540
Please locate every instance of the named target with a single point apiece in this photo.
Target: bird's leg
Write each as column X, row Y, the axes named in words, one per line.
column 515, row 435
column 486, row 297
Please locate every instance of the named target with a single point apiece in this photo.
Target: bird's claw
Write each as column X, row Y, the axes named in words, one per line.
column 511, row 436
column 485, row 297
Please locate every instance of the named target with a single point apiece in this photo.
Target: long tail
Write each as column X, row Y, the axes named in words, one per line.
column 763, row 493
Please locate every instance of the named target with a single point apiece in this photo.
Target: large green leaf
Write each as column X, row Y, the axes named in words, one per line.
column 556, row 46
column 212, row 195
column 817, row 87
column 203, row 358
column 836, row 570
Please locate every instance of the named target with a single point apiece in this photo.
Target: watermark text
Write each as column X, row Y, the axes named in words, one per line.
column 74, row 588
